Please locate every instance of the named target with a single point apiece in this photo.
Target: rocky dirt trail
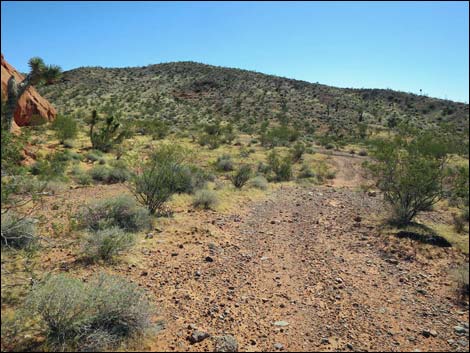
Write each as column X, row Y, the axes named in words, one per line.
column 304, row 270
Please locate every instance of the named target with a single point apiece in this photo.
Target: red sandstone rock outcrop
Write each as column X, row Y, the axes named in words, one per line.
column 31, row 103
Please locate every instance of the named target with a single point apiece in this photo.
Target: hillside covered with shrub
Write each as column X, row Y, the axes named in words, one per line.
column 182, row 93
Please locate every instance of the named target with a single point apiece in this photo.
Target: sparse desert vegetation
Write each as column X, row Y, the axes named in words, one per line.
column 189, row 207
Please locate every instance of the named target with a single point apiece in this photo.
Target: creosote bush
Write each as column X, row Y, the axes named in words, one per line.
column 66, row 127
column 281, row 167
column 162, row 175
column 122, row 211
column 241, row 176
column 90, row 316
column 411, row 172
column 297, row 151
column 106, row 244
column 279, row 136
column 206, row 199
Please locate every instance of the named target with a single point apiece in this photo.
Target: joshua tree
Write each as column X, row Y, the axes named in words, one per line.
column 107, row 135
column 38, row 72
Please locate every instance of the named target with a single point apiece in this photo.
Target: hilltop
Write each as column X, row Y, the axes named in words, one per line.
column 185, row 92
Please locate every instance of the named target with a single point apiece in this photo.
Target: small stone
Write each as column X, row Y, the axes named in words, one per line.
column 325, row 340
column 339, row 280
column 198, row 336
column 209, row 259
column 459, row 329
column 149, row 236
column 281, row 323
column 463, row 343
column 278, row 346
column 226, row 343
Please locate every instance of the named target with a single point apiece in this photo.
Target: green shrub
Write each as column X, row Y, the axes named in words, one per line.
column 245, row 152
column 83, row 178
column 460, row 192
column 108, row 133
column 93, row 156
column 121, row 211
column 52, row 167
column 25, row 185
column 297, row 151
column 118, row 173
column 212, row 141
column 224, row 163
column 263, row 168
column 259, row 182
column 330, row 174
column 11, row 151
column 54, row 187
column 68, row 143
column 310, row 150
column 91, row 316
column 99, row 173
column 106, row 244
column 321, row 171
column 241, row 176
column 411, row 172
column 17, row 232
column 282, row 168
column 193, row 178
column 74, row 156
column 214, row 134
column 279, row 136
column 65, row 127
column 363, row 153
column 205, row 199
column 306, row 172
column 329, row 146
column 163, row 175
column 461, row 275
column 156, row 128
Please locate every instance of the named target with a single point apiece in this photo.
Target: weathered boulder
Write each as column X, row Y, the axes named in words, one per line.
column 31, row 104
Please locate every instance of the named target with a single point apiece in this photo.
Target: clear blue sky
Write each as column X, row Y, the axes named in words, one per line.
column 403, row 46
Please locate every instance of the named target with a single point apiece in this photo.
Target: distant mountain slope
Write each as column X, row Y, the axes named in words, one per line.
column 185, row 92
